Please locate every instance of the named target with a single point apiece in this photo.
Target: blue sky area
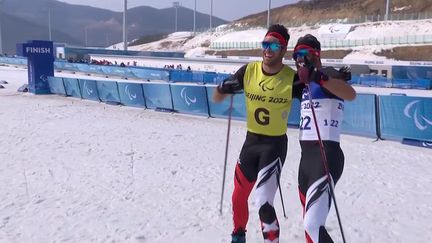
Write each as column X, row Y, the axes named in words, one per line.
column 225, row 9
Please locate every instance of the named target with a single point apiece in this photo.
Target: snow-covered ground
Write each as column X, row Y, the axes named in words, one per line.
column 80, row 171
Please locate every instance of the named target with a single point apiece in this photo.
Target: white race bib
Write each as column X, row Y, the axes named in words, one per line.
column 329, row 115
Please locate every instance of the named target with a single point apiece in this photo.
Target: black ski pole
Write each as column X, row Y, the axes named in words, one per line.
column 280, row 191
column 226, row 151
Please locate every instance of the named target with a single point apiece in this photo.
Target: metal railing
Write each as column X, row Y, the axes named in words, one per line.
column 332, row 44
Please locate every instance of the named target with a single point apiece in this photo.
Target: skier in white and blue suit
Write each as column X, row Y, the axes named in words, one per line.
column 329, row 89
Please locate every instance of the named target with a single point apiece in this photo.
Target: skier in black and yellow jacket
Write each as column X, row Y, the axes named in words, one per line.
column 268, row 88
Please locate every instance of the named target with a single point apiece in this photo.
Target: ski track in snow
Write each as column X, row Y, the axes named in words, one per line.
column 81, row 171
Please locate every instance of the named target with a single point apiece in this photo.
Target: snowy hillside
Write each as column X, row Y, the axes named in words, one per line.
column 196, row 46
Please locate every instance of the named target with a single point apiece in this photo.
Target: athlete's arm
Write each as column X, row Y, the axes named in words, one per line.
column 337, row 85
column 231, row 85
column 298, row 87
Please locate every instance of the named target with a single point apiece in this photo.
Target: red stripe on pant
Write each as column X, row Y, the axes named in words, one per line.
column 303, row 202
column 242, row 190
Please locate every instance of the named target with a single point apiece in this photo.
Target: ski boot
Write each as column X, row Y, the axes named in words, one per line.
column 239, row 236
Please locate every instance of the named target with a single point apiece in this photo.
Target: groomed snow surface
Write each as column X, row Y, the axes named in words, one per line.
column 80, row 171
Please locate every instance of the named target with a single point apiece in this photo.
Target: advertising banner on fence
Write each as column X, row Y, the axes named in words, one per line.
column 56, row 85
column 131, row 94
column 294, row 115
column 418, row 143
column 117, row 71
column 180, row 76
column 222, row 109
column 72, row 87
column 190, row 99
column 108, row 92
column 14, row 60
column 215, row 78
column 157, row 95
column 360, row 116
column 68, row 66
column 421, row 77
column 89, row 89
column 405, row 117
column 88, row 68
column 147, row 73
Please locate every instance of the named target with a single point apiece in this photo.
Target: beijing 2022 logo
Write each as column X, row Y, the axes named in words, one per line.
column 411, row 111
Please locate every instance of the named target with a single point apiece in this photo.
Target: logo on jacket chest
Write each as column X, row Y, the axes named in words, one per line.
column 269, row 84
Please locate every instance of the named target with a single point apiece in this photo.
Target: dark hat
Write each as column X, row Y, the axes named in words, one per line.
column 309, row 40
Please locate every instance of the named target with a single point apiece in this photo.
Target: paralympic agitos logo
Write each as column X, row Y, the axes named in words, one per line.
column 88, row 89
column 411, row 111
column 187, row 98
column 131, row 95
column 266, row 84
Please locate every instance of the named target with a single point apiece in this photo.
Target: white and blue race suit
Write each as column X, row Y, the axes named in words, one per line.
column 313, row 182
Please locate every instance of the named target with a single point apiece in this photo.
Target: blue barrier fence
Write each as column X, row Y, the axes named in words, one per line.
column 392, row 117
column 387, row 117
column 158, row 96
column 405, row 117
column 404, row 83
column 108, row 92
column 89, row 90
column 190, row 99
column 294, row 116
column 57, row 85
column 131, row 94
column 222, row 109
column 360, row 116
column 72, row 87
column 417, row 77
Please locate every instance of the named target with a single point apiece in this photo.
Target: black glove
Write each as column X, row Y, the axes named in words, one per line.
column 230, row 86
column 311, row 74
column 345, row 72
column 318, row 77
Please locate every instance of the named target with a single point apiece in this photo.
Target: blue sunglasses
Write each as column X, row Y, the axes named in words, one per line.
column 273, row 46
column 300, row 53
column 304, row 52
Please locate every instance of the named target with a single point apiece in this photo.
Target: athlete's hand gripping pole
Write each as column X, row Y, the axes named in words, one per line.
column 226, row 151
column 304, row 76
